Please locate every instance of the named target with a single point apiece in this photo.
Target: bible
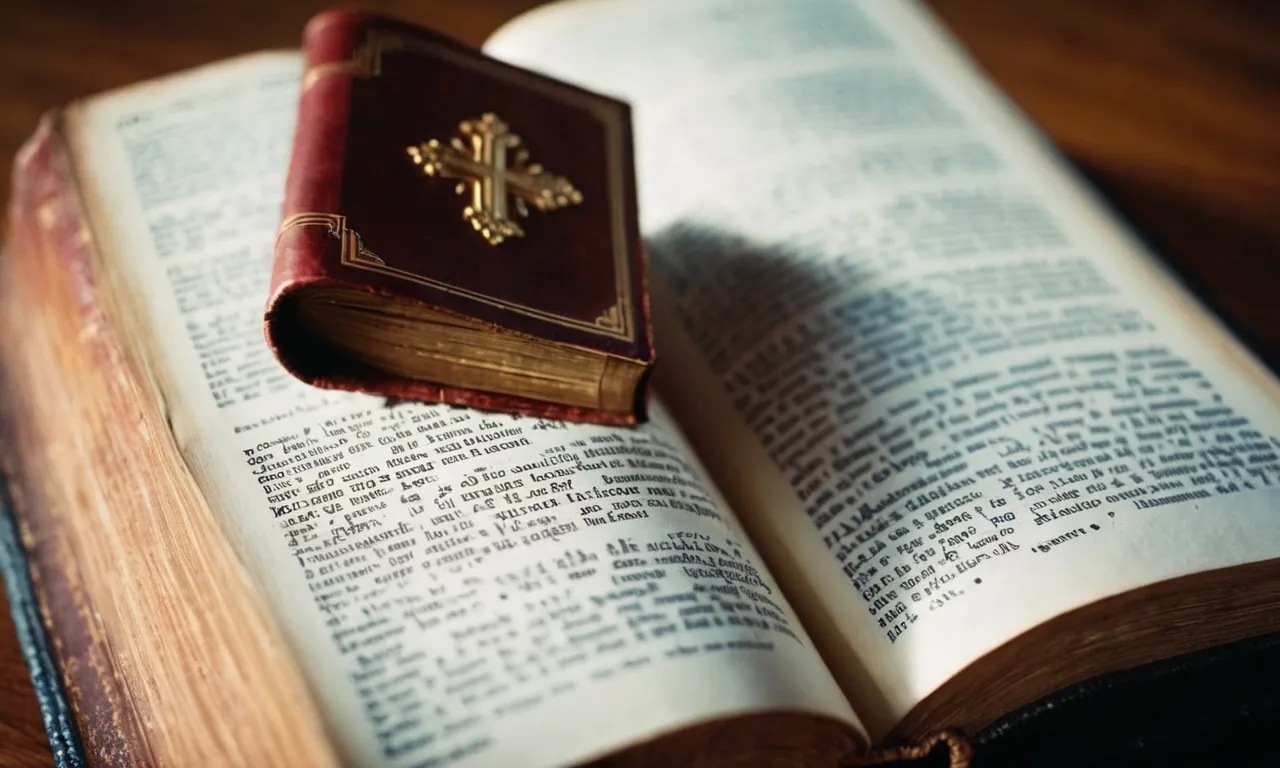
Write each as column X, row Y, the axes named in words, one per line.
column 385, row 284
column 937, row 446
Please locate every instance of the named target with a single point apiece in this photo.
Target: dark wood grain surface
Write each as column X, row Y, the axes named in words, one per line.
column 1172, row 107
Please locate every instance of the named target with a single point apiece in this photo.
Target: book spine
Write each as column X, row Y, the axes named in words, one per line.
column 312, row 224
column 47, row 251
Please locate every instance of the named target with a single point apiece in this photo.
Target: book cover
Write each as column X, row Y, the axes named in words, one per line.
column 413, row 159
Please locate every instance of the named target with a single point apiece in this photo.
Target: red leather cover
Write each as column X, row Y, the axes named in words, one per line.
column 359, row 212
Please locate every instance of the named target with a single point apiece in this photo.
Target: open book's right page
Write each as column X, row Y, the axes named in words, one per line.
column 926, row 365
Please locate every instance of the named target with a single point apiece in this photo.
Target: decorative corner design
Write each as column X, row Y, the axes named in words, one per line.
column 359, row 255
column 365, row 61
column 611, row 319
column 353, row 249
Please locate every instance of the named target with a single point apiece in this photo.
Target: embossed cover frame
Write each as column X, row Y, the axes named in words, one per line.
column 358, row 211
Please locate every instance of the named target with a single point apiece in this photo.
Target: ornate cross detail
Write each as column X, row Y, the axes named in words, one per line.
column 489, row 160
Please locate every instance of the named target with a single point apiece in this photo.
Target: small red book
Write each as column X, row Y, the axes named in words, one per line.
column 459, row 230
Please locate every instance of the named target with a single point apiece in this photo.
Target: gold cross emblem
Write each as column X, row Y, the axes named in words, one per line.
column 489, row 159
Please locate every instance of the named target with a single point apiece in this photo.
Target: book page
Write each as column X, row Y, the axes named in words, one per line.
column 944, row 390
column 461, row 587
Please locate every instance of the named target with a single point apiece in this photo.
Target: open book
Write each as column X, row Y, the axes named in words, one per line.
column 933, row 435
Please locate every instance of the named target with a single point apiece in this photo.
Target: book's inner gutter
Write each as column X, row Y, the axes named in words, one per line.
column 408, row 339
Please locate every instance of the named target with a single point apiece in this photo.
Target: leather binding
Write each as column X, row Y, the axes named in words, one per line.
column 359, row 213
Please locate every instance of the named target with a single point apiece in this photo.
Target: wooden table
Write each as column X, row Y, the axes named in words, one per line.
column 1171, row 106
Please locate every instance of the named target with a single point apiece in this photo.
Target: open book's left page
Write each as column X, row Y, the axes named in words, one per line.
column 460, row 587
